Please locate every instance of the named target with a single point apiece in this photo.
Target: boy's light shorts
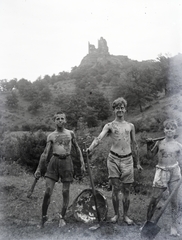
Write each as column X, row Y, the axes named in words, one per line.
column 164, row 176
column 121, row 168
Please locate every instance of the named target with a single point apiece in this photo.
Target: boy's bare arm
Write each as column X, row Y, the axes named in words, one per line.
column 180, row 158
column 135, row 147
column 74, row 142
column 98, row 139
column 43, row 158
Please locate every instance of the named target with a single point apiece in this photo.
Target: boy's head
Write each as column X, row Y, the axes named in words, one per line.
column 170, row 126
column 170, row 123
column 58, row 113
column 59, row 118
column 119, row 102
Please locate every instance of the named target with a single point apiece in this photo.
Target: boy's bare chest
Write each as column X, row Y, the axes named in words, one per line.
column 120, row 130
column 61, row 138
column 169, row 150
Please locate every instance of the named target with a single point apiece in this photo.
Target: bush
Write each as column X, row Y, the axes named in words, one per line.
column 34, row 127
column 25, row 149
column 30, row 148
column 26, row 127
column 9, row 148
column 12, row 169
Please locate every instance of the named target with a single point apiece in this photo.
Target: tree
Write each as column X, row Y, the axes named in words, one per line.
column 97, row 101
column 169, row 74
column 12, row 100
column 12, row 83
column 61, row 100
column 75, row 108
column 45, row 94
column 91, row 117
column 138, row 88
column 24, row 86
column 162, row 79
column 35, row 106
column 3, row 85
column 7, row 86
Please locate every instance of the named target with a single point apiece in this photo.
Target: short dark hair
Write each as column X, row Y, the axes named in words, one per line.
column 60, row 112
column 119, row 101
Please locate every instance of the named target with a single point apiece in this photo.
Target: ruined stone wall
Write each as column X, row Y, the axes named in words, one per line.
column 102, row 47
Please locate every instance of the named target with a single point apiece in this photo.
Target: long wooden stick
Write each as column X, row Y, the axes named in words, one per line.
column 155, row 139
column 92, row 185
column 167, row 201
column 32, row 187
column 159, row 138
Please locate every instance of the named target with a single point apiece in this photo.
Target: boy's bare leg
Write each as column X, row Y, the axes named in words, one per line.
column 115, row 199
column 174, row 210
column 156, row 196
column 46, row 201
column 126, row 203
column 65, row 192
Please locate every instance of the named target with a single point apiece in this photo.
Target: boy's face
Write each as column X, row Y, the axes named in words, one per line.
column 60, row 120
column 120, row 110
column 169, row 131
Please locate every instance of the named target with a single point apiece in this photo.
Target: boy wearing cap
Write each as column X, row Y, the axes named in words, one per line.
column 120, row 160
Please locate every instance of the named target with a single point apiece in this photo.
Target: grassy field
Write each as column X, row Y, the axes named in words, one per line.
column 20, row 216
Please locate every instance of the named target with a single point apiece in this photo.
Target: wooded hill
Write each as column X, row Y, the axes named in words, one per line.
column 86, row 92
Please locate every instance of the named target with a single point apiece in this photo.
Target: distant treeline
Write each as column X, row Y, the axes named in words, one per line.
column 138, row 82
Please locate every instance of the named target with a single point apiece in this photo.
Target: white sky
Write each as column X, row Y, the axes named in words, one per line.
column 40, row 37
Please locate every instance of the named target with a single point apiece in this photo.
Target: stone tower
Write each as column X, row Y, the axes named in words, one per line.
column 102, row 47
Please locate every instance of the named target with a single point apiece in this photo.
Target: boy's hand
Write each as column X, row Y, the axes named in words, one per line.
column 37, row 174
column 89, row 152
column 83, row 167
column 150, row 140
column 139, row 167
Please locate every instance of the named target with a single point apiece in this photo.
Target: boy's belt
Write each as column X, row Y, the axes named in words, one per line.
column 120, row 156
column 169, row 168
column 62, row 156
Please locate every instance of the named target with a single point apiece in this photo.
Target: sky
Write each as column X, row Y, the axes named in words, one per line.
column 46, row 37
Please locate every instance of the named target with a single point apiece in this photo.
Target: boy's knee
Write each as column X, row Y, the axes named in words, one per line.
column 154, row 200
column 174, row 202
column 116, row 188
column 116, row 185
column 65, row 192
column 48, row 191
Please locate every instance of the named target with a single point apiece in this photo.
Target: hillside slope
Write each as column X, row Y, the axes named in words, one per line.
column 152, row 116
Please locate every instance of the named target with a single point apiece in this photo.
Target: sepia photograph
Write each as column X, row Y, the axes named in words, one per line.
column 91, row 120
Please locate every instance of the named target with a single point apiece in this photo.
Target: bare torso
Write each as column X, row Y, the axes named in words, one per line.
column 169, row 153
column 61, row 142
column 121, row 138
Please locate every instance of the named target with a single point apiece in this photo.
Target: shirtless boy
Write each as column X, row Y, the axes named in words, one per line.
column 60, row 166
column 120, row 161
column 167, row 172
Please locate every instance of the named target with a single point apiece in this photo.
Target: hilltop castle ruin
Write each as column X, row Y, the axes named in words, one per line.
column 102, row 47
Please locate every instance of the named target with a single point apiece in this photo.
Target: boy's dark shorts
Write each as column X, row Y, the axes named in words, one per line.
column 60, row 168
